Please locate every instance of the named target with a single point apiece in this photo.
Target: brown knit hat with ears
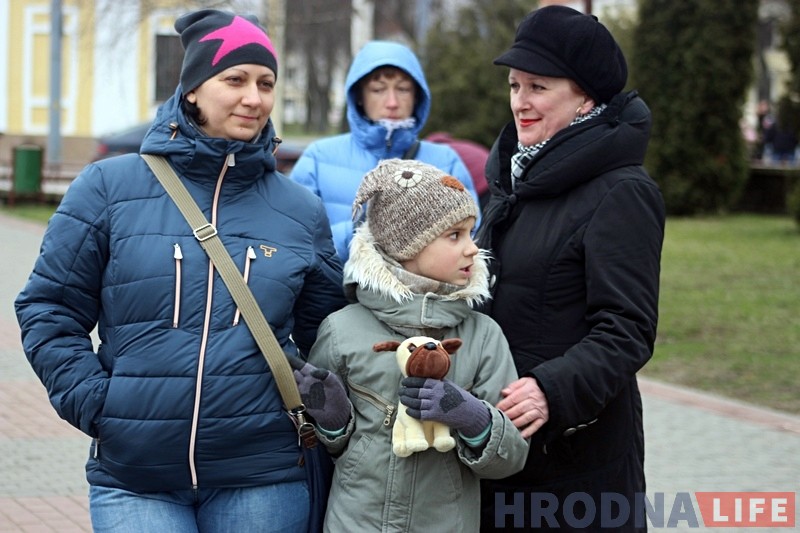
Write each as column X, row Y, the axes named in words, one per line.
column 410, row 204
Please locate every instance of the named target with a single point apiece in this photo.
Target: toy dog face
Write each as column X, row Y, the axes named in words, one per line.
column 422, row 356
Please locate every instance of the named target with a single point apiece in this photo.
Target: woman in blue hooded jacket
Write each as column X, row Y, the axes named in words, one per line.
column 388, row 102
column 187, row 425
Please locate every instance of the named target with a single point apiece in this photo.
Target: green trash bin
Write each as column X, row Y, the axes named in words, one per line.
column 27, row 168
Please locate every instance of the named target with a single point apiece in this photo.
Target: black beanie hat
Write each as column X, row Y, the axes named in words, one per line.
column 561, row 42
column 216, row 40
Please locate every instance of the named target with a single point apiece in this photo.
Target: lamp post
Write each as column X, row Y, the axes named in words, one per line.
column 54, row 132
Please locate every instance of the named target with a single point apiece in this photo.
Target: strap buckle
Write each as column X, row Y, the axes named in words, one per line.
column 205, row 232
column 306, row 434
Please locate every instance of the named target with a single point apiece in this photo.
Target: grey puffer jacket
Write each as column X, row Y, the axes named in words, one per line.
column 373, row 489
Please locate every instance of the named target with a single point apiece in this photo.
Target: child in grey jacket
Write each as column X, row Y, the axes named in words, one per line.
column 413, row 270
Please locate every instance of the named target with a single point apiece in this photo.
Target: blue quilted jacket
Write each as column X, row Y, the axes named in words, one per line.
column 332, row 168
column 177, row 394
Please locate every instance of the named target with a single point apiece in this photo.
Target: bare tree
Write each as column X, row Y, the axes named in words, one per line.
column 319, row 30
column 395, row 18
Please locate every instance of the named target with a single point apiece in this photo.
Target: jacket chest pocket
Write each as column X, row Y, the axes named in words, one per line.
column 176, row 306
column 182, row 279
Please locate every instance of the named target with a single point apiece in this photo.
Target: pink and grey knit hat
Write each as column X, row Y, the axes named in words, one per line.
column 410, row 204
column 216, row 40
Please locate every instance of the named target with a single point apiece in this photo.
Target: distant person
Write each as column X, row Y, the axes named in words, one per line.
column 575, row 225
column 388, row 102
column 782, row 141
column 187, row 425
column 764, row 122
column 780, row 137
column 413, row 270
column 473, row 155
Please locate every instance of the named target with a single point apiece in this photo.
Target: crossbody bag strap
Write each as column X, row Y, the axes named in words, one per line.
column 206, row 234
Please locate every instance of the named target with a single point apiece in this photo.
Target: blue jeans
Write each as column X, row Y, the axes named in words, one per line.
column 267, row 509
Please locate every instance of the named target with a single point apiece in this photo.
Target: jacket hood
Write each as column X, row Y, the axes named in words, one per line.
column 194, row 154
column 369, row 269
column 376, row 54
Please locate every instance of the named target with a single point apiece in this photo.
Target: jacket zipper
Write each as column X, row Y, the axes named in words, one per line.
column 251, row 254
column 178, row 256
column 374, row 399
column 198, row 388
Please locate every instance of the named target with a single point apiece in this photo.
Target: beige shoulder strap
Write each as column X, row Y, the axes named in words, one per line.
column 206, row 234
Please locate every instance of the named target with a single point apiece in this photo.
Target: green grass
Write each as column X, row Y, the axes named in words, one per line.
column 29, row 211
column 729, row 308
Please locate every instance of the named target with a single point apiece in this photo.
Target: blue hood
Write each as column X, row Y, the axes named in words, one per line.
column 380, row 54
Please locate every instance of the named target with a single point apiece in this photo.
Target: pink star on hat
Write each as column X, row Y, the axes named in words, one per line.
column 240, row 32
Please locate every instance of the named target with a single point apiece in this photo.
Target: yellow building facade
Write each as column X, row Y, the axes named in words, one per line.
column 115, row 60
column 107, row 59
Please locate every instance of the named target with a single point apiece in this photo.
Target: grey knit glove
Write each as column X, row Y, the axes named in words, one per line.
column 323, row 395
column 444, row 401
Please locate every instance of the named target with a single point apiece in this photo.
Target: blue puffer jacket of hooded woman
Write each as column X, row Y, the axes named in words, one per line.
column 177, row 395
column 332, row 168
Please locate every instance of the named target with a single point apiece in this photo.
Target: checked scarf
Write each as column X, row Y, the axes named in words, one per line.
column 525, row 154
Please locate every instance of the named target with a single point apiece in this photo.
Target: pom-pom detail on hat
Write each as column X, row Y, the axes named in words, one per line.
column 450, row 181
column 407, row 178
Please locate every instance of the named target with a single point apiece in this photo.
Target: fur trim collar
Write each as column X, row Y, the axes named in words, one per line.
column 370, row 269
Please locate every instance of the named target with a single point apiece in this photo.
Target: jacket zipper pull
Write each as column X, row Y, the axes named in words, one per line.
column 178, row 256
column 389, row 411
column 251, row 254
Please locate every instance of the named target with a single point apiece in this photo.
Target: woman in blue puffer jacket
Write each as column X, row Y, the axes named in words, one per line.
column 388, row 102
column 187, row 425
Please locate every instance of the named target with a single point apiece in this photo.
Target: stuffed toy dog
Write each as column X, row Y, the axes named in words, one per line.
column 427, row 358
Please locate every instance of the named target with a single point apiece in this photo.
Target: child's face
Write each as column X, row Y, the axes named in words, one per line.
column 449, row 257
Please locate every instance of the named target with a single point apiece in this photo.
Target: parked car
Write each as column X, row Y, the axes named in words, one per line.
column 121, row 142
column 130, row 139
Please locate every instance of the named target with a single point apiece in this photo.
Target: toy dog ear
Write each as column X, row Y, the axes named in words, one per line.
column 386, row 346
column 451, row 345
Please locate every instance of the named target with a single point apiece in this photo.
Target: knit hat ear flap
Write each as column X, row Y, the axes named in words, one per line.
column 410, row 204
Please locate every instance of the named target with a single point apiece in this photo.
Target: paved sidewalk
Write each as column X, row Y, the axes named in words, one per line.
column 42, row 487
column 694, row 442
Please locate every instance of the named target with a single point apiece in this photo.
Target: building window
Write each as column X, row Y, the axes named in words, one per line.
column 169, row 56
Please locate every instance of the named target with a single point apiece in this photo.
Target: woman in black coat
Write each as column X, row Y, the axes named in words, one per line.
column 576, row 227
